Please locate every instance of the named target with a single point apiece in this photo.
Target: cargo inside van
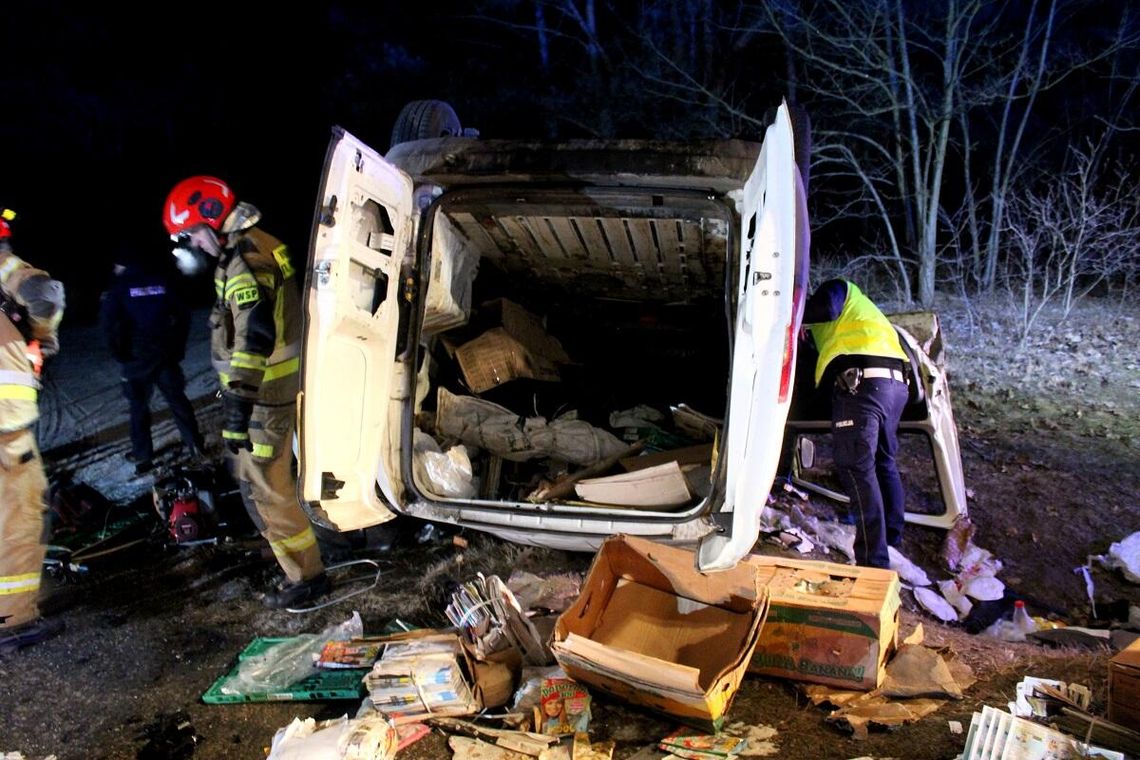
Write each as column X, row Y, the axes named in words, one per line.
column 563, row 330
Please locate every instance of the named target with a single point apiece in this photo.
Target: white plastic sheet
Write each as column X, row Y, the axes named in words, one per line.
column 1125, row 556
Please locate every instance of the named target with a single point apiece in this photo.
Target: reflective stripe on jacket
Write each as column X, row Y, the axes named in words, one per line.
column 18, row 384
column 256, row 322
column 860, row 329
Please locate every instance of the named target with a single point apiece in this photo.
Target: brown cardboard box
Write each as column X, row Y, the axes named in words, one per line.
column 650, row 629
column 827, row 623
column 1124, row 687
column 517, row 347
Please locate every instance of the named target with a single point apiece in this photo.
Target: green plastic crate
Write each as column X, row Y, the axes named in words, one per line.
column 323, row 685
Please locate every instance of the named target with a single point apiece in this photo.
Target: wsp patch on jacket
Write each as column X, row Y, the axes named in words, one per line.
column 246, row 297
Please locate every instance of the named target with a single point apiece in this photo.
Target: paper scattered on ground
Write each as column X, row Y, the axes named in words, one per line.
column 935, row 604
column 759, row 740
column 907, row 570
column 1125, row 556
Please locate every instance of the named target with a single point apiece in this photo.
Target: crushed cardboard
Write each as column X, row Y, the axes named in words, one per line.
column 938, row 672
column 650, row 629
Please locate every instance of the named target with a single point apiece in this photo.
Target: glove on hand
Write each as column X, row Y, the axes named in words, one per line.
column 236, row 412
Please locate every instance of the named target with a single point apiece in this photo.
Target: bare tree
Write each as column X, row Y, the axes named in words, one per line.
column 1072, row 236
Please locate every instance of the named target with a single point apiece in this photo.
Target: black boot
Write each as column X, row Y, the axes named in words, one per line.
column 291, row 594
column 28, row 634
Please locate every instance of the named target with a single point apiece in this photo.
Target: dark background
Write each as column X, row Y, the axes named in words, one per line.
column 103, row 109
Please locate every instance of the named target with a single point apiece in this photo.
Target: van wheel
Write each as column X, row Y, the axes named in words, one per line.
column 801, row 131
column 425, row 119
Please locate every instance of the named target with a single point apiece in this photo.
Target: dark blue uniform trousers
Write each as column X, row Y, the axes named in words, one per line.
column 139, row 388
column 864, row 427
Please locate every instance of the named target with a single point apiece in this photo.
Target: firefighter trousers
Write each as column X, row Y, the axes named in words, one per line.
column 269, row 490
column 22, row 522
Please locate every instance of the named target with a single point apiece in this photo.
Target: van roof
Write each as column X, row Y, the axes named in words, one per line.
column 716, row 165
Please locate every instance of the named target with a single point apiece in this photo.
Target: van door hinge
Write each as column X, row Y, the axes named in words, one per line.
column 328, row 213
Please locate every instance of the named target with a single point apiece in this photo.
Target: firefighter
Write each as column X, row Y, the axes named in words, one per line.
column 32, row 304
column 864, row 367
column 255, row 345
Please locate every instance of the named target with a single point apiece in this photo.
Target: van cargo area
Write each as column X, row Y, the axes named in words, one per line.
column 569, row 330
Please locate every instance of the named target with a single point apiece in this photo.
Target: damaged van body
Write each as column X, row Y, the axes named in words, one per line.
column 480, row 313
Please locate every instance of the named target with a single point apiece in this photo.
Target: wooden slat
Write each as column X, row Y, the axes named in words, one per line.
column 596, row 245
column 540, row 231
column 669, row 242
column 619, row 244
column 693, row 243
column 645, row 249
column 568, row 237
column 475, row 232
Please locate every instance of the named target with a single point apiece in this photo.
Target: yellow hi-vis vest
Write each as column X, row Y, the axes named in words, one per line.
column 860, row 329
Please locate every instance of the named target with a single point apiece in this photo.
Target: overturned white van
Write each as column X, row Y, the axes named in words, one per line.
column 518, row 311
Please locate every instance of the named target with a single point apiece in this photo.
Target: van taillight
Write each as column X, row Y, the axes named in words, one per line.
column 789, row 361
column 790, row 335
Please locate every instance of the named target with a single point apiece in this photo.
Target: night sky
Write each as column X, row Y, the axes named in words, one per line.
column 104, row 109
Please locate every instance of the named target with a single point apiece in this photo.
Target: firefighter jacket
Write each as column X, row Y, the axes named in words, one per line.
column 858, row 329
column 38, row 294
column 18, row 384
column 255, row 326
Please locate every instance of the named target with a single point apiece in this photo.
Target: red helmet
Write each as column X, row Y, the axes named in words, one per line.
column 198, row 200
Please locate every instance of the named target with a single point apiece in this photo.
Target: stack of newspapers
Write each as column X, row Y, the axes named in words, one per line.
column 420, row 677
column 998, row 735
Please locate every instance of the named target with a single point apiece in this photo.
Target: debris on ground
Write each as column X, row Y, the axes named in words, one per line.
column 169, row 737
column 373, row 737
column 809, row 621
column 918, row 681
column 1124, row 556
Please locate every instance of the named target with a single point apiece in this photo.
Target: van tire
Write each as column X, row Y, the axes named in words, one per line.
column 425, row 119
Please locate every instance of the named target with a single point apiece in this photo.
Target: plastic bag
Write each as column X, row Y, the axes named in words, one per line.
column 447, row 474
column 281, row 666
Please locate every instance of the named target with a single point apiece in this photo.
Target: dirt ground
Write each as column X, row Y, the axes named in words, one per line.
column 1050, row 446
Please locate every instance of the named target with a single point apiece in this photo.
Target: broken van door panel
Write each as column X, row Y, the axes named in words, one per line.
column 771, row 242
column 929, row 454
column 350, row 370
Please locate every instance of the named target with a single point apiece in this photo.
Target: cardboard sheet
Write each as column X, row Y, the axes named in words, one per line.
column 660, row 486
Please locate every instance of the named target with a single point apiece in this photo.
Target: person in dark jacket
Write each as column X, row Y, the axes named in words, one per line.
column 862, row 364
column 146, row 321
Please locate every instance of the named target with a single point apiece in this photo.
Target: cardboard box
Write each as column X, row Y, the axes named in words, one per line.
column 827, row 623
column 1124, row 687
column 652, row 630
column 517, row 347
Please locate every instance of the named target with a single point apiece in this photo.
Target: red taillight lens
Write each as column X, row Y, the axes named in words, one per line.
column 789, row 362
column 790, row 337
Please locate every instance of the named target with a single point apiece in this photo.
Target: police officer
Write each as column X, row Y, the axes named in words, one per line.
column 256, row 346
column 32, row 304
column 146, row 322
column 864, row 366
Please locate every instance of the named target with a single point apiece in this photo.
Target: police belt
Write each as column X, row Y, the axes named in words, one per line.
column 869, row 372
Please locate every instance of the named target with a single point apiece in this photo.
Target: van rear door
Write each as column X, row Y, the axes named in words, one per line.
column 773, row 244
column 362, row 234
